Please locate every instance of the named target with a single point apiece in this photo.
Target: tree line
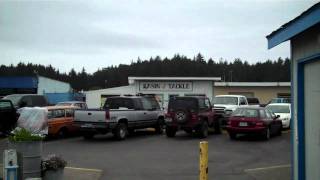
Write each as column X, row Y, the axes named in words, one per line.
column 179, row 65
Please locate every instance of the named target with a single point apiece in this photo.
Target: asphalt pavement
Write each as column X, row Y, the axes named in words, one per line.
column 146, row 155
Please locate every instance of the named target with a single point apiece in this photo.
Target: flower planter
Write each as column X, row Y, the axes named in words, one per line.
column 53, row 174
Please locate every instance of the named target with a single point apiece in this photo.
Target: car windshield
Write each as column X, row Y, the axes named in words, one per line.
column 278, row 109
column 14, row 99
column 245, row 112
column 183, row 103
column 226, row 100
column 5, row 105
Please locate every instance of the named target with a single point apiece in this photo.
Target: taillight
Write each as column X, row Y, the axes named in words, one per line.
column 107, row 115
column 259, row 124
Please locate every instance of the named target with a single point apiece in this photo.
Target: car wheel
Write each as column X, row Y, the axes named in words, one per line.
column 217, row 127
column 121, row 131
column 204, row 130
column 63, row 133
column 280, row 131
column 170, row 131
column 159, row 126
column 267, row 134
column 233, row 136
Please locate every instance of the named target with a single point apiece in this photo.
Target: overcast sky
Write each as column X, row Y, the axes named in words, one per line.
column 96, row 34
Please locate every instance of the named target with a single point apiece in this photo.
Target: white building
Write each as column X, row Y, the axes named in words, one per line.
column 48, row 85
column 162, row 87
column 304, row 35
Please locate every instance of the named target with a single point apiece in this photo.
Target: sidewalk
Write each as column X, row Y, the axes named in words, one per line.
column 72, row 173
column 280, row 172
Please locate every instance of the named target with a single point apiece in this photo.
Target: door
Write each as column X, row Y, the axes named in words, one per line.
column 311, row 119
column 148, row 114
column 56, row 120
column 275, row 124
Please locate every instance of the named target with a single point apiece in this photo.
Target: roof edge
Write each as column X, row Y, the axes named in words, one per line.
column 305, row 20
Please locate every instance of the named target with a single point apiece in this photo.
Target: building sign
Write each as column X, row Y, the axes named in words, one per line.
column 165, row 86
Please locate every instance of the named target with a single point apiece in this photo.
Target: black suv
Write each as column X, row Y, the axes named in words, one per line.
column 191, row 114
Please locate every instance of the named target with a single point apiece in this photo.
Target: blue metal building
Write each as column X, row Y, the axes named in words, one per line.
column 304, row 35
column 55, row 91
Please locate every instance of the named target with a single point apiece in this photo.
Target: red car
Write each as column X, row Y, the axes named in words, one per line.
column 254, row 120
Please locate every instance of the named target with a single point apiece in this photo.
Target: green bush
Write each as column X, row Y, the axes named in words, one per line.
column 22, row 134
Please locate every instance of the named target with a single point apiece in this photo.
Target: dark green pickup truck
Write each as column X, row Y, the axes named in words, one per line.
column 8, row 116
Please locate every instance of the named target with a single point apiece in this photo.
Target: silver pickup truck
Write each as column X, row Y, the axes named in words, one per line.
column 120, row 115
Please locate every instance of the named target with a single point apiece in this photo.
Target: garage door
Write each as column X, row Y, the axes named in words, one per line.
column 312, row 119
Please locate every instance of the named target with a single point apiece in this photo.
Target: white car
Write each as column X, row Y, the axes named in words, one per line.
column 283, row 110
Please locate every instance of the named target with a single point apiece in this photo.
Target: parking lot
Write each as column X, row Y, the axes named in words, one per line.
column 146, row 155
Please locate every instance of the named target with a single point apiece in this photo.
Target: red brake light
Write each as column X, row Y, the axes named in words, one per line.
column 259, row 124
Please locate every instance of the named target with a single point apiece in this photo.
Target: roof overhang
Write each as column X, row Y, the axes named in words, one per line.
column 252, row 84
column 132, row 79
column 301, row 23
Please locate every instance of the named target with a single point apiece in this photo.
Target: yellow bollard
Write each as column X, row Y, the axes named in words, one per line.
column 204, row 160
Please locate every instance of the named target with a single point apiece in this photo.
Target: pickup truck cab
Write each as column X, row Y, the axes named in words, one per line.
column 121, row 115
column 8, row 116
column 224, row 105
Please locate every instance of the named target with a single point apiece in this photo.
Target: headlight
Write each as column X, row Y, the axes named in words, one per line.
column 228, row 112
column 286, row 119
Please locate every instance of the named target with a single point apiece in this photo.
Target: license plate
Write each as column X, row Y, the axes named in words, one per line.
column 243, row 124
column 168, row 119
column 87, row 125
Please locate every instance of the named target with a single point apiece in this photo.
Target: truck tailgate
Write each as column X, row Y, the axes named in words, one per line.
column 88, row 115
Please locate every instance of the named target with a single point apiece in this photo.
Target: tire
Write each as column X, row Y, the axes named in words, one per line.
column 233, row 136
column 159, row 126
column 170, row 131
column 217, row 127
column 121, row 131
column 204, row 130
column 63, row 133
column 88, row 136
column 181, row 116
column 267, row 134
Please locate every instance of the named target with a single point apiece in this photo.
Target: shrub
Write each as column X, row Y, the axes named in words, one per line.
column 21, row 134
column 53, row 162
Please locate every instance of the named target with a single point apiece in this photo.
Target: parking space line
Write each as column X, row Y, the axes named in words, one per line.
column 85, row 169
column 269, row 167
